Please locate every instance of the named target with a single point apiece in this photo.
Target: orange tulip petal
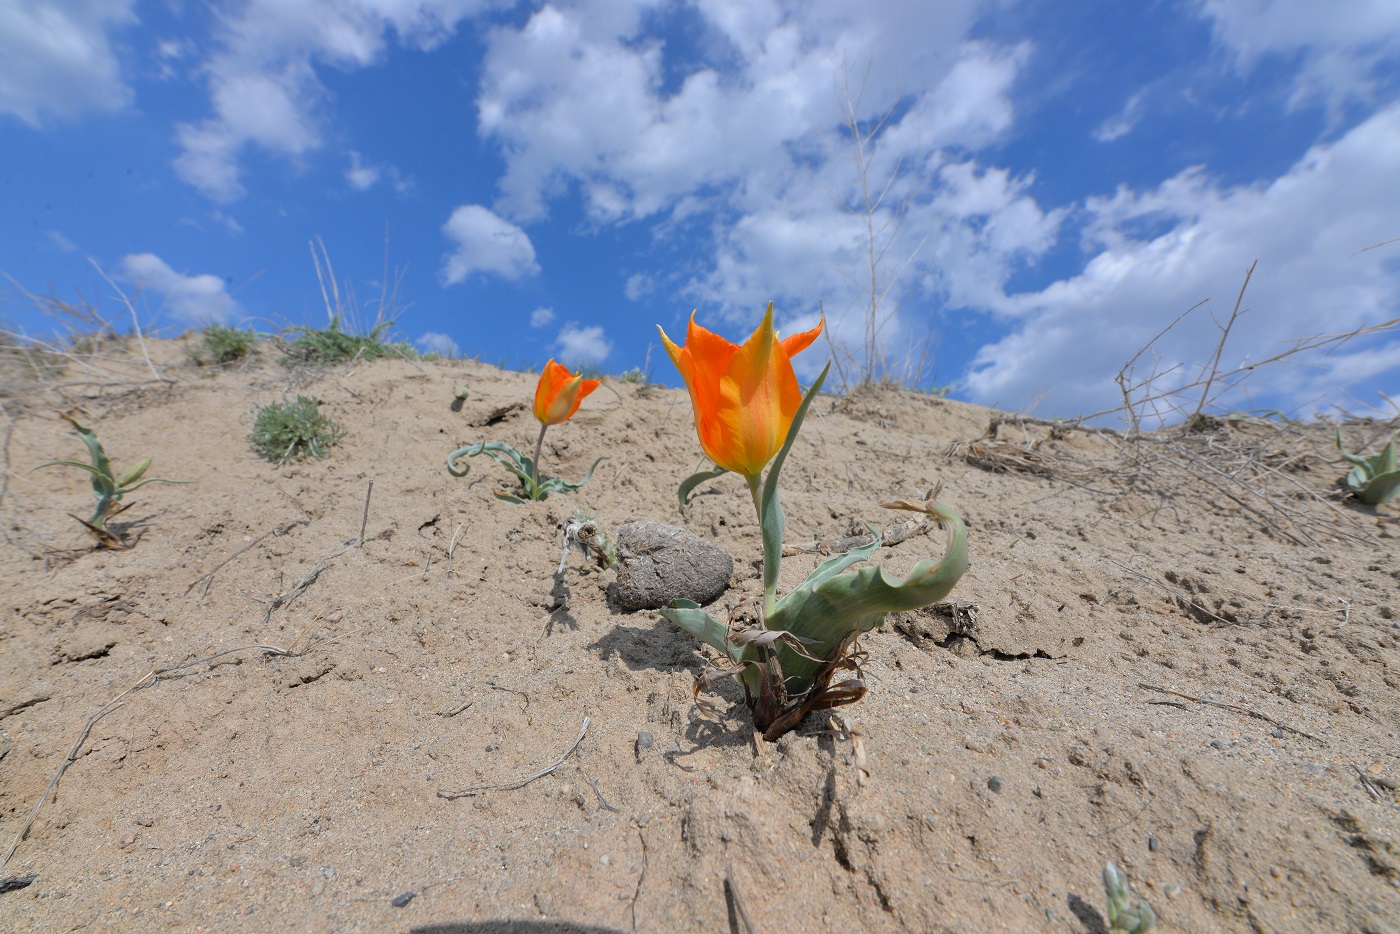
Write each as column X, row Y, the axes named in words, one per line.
column 559, row 393
column 744, row 397
column 797, row 343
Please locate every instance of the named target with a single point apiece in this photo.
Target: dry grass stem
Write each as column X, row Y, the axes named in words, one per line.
column 147, row 680
column 521, row 783
column 1234, row 707
column 208, row 577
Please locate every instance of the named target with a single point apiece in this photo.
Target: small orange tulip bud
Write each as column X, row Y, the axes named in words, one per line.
column 745, row 396
column 559, row 393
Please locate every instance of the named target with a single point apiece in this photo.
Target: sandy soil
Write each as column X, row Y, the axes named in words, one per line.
column 1179, row 655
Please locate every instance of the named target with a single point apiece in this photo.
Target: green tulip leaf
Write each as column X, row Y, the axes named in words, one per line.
column 691, row 482
column 770, row 511
column 829, row 606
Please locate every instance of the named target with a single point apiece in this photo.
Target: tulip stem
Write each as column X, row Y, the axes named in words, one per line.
column 535, row 464
column 770, row 593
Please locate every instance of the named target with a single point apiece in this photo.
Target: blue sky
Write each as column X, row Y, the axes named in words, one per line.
column 1062, row 181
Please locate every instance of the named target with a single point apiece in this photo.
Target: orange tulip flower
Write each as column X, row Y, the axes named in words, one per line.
column 744, row 396
column 559, row 393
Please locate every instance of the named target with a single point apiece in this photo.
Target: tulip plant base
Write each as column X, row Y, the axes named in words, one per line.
column 266, row 793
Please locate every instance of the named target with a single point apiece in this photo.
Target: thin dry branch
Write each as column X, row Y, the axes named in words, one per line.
column 149, row 679
column 521, row 783
column 208, row 577
column 1234, row 707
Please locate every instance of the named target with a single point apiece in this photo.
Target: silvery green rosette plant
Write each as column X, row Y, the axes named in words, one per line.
column 1374, row 478
column 748, row 411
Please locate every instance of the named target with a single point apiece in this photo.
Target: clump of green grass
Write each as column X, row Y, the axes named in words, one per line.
column 224, row 346
column 294, row 431
column 334, row 344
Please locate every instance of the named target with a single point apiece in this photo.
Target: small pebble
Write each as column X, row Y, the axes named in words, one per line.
column 1172, row 889
column 1218, row 744
column 644, row 741
column 128, row 840
column 994, row 784
column 401, row 901
column 297, row 861
column 1152, row 844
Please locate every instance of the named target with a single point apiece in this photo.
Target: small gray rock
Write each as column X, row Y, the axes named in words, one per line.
column 994, row 783
column 658, row 563
column 644, row 742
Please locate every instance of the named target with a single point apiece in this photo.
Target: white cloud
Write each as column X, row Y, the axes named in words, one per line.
column 59, row 240
column 582, row 345
column 197, row 300
column 541, row 316
column 57, row 60
column 1122, row 123
column 580, row 94
column 1341, row 50
column 1305, row 228
column 486, row 243
column 638, row 286
column 360, row 176
column 263, row 87
column 441, row 344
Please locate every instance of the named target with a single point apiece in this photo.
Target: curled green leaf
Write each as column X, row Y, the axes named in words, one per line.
column 691, row 482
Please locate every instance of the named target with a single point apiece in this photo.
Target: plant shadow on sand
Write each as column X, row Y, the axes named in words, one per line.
column 663, row 647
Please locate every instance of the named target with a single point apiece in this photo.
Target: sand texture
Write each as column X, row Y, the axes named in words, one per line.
column 1176, row 653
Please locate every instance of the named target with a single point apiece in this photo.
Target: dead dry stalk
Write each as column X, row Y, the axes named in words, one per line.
column 150, row 679
column 475, row 790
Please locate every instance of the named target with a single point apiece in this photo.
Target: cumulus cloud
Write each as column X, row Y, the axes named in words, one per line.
column 746, row 147
column 195, row 300
column 486, row 242
column 1068, row 340
column 582, row 345
column 57, row 60
column 1340, row 55
column 360, row 176
column 363, row 176
column 263, row 85
column 584, row 94
column 541, row 316
column 441, row 344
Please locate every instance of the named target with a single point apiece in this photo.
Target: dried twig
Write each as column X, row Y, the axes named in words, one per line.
column 135, row 319
column 739, row 922
column 520, row 783
column 1366, row 783
column 364, row 520
column 637, row 892
column 1236, row 708
column 286, row 599
column 451, row 550
column 208, row 577
column 148, row 680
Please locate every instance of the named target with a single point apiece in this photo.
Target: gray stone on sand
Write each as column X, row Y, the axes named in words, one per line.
column 658, row 563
